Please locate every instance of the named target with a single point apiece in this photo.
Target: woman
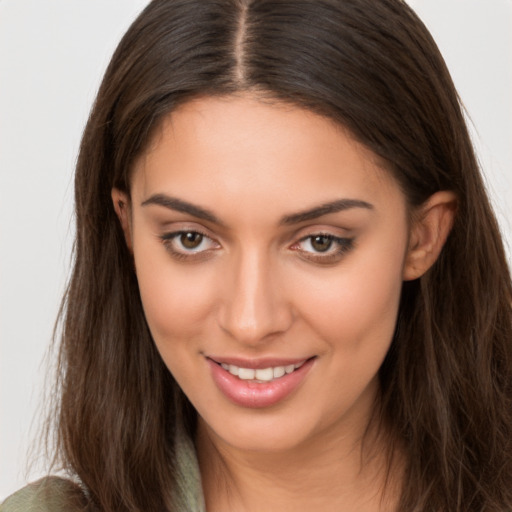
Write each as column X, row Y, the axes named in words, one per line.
column 289, row 288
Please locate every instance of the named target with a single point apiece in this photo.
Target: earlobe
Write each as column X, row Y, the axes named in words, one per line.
column 429, row 231
column 121, row 203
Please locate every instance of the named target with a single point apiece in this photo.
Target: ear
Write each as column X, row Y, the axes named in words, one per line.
column 121, row 202
column 430, row 229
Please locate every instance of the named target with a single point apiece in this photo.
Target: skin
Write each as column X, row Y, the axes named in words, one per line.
column 257, row 287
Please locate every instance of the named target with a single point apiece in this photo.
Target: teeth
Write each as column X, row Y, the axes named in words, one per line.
column 279, row 371
column 246, row 373
column 262, row 374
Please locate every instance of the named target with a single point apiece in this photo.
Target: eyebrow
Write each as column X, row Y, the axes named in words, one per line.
column 325, row 209
column 173, row 203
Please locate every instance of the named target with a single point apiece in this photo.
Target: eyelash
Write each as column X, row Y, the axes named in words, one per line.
column 342, row 246
column 168, row 239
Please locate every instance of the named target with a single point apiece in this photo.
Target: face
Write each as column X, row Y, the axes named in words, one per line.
column 269, row 248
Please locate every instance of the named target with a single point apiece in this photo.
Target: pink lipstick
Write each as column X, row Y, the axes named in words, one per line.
column 258, row 383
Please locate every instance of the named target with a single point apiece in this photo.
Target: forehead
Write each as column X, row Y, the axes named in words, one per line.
column 245, row 151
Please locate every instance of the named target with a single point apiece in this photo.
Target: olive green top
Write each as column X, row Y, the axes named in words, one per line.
column 54, row 494
column 51, row 494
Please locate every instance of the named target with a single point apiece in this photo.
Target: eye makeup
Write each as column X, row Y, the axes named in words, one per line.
column 193, row 245
column 323, row 248
column 189, row 244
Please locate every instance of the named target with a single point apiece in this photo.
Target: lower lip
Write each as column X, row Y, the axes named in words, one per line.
column 258, row 394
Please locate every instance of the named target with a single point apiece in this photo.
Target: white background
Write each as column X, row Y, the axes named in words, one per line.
column 52, row 56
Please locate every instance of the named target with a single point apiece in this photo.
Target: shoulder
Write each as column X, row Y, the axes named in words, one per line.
column 50, row 494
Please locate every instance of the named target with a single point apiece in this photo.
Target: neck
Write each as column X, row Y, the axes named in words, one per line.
column 337, row 471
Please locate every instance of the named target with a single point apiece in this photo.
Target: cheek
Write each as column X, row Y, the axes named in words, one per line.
column 176, row 300
column 356, row 305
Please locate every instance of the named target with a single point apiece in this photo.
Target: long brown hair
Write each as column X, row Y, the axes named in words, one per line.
column 371, row 66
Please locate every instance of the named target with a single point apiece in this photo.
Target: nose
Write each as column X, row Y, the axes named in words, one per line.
column 254, row 308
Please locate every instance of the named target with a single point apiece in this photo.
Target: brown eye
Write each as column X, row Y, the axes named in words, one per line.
column 323, row 248
column 188, row 244
column 321, row 243
column 191, row 240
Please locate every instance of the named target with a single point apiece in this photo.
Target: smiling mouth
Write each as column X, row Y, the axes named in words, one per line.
column 258, row 383
column 261, row 375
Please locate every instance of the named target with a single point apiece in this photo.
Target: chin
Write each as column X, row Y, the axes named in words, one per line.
column 259, row 435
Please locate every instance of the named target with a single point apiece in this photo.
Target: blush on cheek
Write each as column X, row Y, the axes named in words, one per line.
column 356, row 307
column 175, row 304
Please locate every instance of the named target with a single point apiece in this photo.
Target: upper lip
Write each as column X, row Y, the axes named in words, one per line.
column 258, row 363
